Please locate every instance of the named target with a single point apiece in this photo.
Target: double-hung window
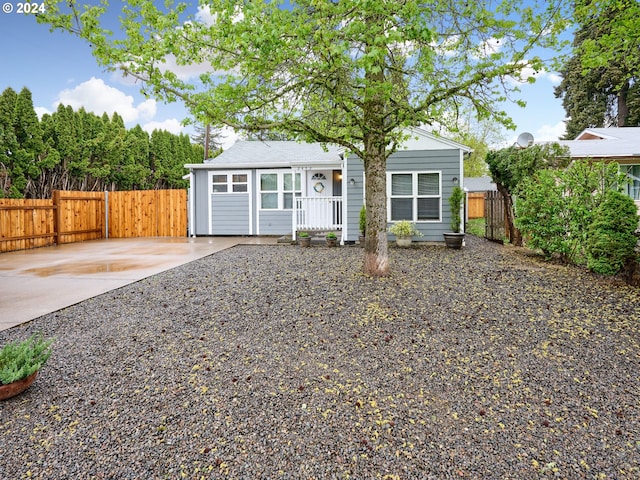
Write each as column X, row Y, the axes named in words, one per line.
column 414, row 196
column 278, row 190
column 229, row 182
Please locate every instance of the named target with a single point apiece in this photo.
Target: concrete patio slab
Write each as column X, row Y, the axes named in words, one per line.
column 42, row 280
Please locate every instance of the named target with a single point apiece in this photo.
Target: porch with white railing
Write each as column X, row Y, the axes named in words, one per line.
column 317, row 213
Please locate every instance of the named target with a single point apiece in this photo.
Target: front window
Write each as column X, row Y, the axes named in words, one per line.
column 633, row 188
column 229, row 182
column 278, row 190
column 414, row 196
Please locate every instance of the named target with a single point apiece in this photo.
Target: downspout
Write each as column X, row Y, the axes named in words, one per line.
column 345, row 196
column 191, row 203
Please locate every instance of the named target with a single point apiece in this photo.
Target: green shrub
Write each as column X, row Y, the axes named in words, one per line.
column 455, row 204
column 610, row 238
column 540, row 213
column 18, row 360
column 363, row 220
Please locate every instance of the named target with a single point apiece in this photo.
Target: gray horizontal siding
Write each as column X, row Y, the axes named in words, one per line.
column 447, row 162
column 230, row 214
column 274, row 222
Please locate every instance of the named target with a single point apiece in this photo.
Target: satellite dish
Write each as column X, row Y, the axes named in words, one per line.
column 525, row 140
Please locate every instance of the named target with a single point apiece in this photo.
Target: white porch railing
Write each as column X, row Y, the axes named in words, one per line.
column 317, row 213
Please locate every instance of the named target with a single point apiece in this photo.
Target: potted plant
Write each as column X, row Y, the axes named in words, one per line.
column 404, row 231
column 20, row 363
column 332, row 239
column 363, row 225
column 304, row 240
column 455, row 238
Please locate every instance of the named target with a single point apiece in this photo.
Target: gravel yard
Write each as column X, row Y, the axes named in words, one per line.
column 266, row 362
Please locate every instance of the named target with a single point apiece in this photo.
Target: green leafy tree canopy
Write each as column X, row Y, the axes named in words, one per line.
column 353, row 73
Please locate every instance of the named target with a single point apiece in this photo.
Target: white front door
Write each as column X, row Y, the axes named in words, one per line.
column 319, row 186
column 319, row 183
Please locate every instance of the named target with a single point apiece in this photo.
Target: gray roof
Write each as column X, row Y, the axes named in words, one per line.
column 276, row 154
column 479, row 184
column 605, row 143
column 286, row 154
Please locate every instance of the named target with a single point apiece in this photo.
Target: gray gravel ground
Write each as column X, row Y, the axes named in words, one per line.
column 282, row 362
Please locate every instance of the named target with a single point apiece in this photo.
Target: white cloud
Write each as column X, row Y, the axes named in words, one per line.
column 554, row 78
column 550, row 133
column 171, row 125
column 205, row 16
column 488, row 47
column 98, row 97
column 40, row 111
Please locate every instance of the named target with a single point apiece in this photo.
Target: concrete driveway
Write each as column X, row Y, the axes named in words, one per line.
column 42, row 280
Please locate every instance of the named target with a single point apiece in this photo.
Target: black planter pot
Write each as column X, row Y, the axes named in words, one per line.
column 453, row 239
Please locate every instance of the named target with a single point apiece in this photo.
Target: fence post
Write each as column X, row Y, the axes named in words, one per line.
column 106, row 214
column 56, row 217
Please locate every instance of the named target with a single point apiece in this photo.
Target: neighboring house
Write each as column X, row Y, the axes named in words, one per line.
column 621, row 145
column 280, row 188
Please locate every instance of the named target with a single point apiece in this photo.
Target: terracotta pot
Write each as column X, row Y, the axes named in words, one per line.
column 19, row 386
column 332, row 242
column 304, row 241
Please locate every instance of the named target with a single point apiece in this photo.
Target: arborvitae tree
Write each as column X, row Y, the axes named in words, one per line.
column 8, row 143
column 70, row 150
column 30, row 151
column 605, row 95
column 134, row 173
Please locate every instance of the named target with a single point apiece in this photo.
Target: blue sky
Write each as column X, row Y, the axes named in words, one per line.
column 59, row 68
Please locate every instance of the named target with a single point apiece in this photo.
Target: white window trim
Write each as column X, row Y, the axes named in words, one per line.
column 280, row 188
column 230, row 183
column 414, row 183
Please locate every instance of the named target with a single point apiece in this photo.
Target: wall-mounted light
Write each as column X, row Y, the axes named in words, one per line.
column 352, row 182
column 455, row 180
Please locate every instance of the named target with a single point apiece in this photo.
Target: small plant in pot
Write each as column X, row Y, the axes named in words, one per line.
column 304, row 239
column 404, row 230
column 455, row 238
column 20, row 363
column 362, row 225
column 332, row 239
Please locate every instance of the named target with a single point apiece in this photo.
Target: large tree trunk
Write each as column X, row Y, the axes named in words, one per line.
column 515, row 237
column 623, row 108
column 376, row 249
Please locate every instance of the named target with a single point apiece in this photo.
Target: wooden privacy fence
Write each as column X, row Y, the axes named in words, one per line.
column 494, row 216
column 147, row 213
column 78, row 216
column 475, row 205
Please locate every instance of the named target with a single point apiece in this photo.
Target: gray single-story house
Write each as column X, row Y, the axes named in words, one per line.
column 282, row 187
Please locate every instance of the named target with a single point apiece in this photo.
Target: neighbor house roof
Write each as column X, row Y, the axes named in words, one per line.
column 479, row 184
column 605, row 143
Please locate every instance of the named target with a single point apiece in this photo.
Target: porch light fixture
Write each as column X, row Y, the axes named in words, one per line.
column 352, row 182
column 455, row 180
